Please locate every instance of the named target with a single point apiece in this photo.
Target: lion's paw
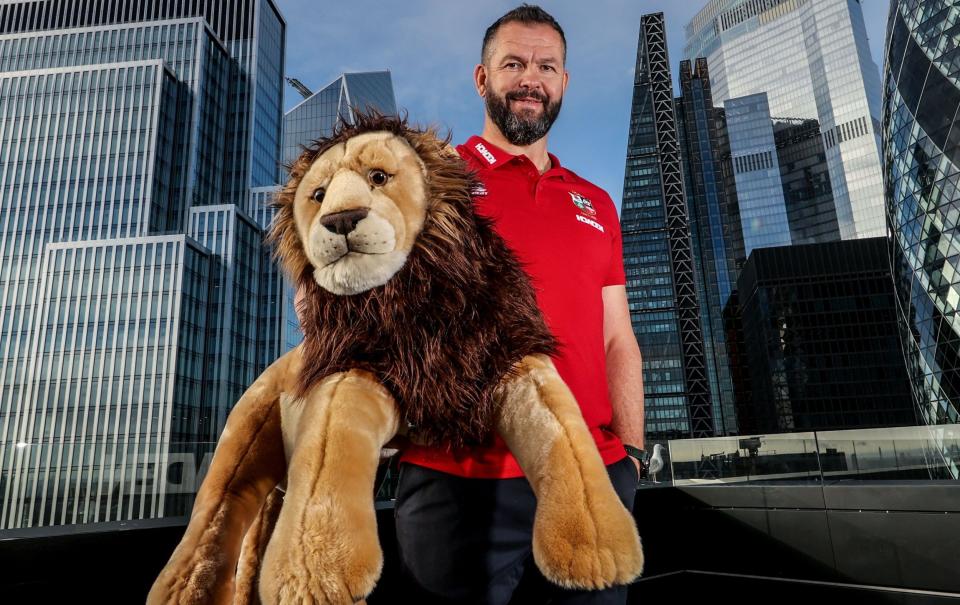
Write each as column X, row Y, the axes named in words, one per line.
column 321, row 565
column 587, row 545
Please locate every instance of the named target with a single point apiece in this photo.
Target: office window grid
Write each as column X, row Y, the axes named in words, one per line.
column 714, row 243
column 922, row 159
column 101, row 384
column 126, row 116
column 194, row 56
column 820, row 73
column 667, row 326
column 316, row 116
column 759, row 188
column 64, row 177
column 819, row 328
column 807, row 190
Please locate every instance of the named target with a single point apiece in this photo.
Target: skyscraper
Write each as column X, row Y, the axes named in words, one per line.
column 315, row 117
column 819, row 339
column 715, row 229
column 130, row 136
column 811, row 60
column 756, row 174
column 658, row 255
column 921, row 151
column 805, row 176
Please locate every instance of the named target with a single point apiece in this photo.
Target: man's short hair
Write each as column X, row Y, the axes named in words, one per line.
column 527, row 14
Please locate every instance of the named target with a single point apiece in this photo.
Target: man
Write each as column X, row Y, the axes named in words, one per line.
column 464, row 519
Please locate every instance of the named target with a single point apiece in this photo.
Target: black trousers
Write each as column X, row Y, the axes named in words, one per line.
column 469, row 540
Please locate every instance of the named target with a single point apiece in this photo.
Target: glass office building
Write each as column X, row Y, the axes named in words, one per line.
column 921, row 151
column 251, row 31
column 805, row 176
column 131, row 283
column 313, row 118
column 715, row 229
column 818, row 344
column 812, row 61
column 658, row 253
column 756, row 172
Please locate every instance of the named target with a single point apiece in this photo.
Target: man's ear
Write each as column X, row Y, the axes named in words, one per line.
column 480, row 79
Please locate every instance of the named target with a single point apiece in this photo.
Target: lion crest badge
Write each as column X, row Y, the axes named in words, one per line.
column 583, row 204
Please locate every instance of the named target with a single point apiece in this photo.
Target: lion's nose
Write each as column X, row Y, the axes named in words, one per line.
column 343, row 222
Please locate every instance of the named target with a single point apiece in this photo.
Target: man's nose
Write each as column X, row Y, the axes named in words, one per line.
column 532, row 78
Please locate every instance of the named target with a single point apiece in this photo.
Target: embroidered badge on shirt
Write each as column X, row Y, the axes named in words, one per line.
column 585, row 205
column 479, row 190
column 485, row 153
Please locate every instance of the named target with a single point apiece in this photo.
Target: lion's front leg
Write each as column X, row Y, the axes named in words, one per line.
column 325, row 547
column 583, row 536
column 247, row 464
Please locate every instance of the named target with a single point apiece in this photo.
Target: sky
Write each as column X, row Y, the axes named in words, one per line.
column 432, row 46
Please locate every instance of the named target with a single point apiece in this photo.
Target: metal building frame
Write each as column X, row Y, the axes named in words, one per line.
column 678, row 226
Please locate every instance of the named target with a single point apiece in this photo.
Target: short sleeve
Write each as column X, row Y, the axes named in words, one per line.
column 615, row 273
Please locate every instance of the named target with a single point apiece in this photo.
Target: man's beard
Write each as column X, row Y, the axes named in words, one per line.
column 521, row 130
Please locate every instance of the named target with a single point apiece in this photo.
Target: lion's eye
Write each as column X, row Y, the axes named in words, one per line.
column 318, row 195
column 378, row 177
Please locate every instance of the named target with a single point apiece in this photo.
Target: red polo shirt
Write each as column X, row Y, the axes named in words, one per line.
column 566, row 232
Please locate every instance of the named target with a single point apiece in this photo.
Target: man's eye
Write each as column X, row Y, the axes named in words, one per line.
column 512, row 65
column 548, row 68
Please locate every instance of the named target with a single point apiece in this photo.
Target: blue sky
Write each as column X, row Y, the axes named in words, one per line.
column 432, row 46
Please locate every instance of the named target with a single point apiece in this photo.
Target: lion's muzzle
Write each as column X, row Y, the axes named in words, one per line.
column 343, row 222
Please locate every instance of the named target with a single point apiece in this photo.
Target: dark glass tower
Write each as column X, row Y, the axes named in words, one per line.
column 658, row 253
column 819, row 340
column 805, row 177
column 714, row 226
column 921, row 155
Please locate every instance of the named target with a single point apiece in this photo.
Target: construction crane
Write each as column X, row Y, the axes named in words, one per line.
column 298, row 85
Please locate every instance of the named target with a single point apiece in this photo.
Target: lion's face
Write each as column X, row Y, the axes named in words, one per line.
column 358, row 211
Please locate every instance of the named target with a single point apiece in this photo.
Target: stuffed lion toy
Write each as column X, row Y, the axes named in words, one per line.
column 416, row 317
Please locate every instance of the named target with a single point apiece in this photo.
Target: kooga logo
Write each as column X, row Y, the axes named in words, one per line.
column 590, row 222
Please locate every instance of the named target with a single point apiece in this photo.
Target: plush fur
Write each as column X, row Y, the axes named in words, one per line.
column 416, row 312
column 442, row 373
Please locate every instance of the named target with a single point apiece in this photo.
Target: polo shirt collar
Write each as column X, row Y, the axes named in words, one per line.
column 494, row 157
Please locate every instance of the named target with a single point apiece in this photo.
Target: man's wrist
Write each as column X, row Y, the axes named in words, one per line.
column 641, row 459
column 635, row 452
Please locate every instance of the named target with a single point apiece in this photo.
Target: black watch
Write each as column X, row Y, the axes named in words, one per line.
column 640, row 456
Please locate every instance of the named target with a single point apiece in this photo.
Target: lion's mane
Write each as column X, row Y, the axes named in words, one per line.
column 442, row 332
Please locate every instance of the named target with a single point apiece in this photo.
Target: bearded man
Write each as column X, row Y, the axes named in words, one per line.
column 465, row 517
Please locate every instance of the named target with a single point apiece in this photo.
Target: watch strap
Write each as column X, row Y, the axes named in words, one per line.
column 635, row 452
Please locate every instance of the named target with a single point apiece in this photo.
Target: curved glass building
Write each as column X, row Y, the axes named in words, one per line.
column 921, row 154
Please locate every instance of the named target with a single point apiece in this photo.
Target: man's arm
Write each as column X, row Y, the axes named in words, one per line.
column 624, row 367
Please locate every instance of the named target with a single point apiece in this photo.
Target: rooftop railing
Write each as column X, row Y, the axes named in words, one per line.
column 896, row 453
column 50, row 484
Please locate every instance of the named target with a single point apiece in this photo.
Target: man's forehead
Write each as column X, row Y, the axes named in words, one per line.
column 537, row 38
